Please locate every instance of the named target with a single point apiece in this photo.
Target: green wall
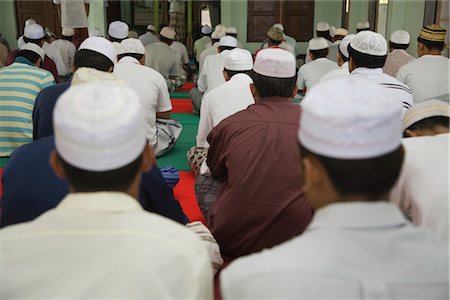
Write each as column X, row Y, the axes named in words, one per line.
column 359, row 11
column 8, row 24
column 97, row 15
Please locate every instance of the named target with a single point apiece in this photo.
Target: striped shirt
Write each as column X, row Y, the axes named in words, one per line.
column 19, row 85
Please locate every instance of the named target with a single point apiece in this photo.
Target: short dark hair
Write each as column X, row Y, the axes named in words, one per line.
column 319, row 53
column 134, row 55
column 232, row 34
column 270, row 86
column 67, row 38
column 344, row 58
column 362, row 29
column 274, row 41
column 365, row 60
column 215, row 40
column 430, row 123
column 84, row 181
column 28, row 54
column 165, row 40
column 431, row 45
column 113, row 39
column 222, row 48
column 398, row 46
column 232, row 73
column 325, row 34
column 372, row 178
column 92, row 59
column 34, row 41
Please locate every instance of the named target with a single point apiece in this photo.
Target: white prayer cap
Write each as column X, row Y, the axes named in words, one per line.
column 231, row 30
column 217, row 35
column 95, row 32
column 151, row 27
column 363, row 25
column 131, row 46
column 35, row 48
column 118, row 30
column 67, row 31
column 370, row 43
column 279, row 26
column 400, row 37
column 423, row 110
column 322, row 26
column 343, row 45
column 99, row 126
column 341, row 32
column 275, row 62
column 34, row 32
column 239, row 60
column 228, row 41
column 88, row 75
column 317, row 43
column 168, row 33
column 361, row 121
column 206, row 29
column 100, row 45
column 220, row 27
column 29, row 22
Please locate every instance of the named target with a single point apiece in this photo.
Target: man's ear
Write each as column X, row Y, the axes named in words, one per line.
column 55, row 163
column 351, row 64
column 148, row 158
column 225, row 75
column 411, row 133
column 38, row 63
column 254, row 91
column 312, row 173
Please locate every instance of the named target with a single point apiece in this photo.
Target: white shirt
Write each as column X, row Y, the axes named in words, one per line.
column 211, row 75
column 428, row 77
column 211, row 50
column 67, row 50
column 222, row 102
column 183, row 57
column 150, row 86
column 148, row 38
column 399, row 91
column 422, row 190
column 308, row 57
column 333, row 50
column 309, row 74
column 73, row 13
column 349, row 251
column 54, row 53
column 341, row 71
column 103, row 246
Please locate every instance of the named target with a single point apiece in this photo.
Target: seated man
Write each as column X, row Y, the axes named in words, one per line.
column 254, row 152
column 99, row 242
column 341, row 58
column 422, row 190
column 397, row 57
column 358, row 245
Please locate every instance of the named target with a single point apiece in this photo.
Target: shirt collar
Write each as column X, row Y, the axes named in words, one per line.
column 358, row 215
column 128, row 59
column 273, row 99
column 362, row 70
column 100, row 202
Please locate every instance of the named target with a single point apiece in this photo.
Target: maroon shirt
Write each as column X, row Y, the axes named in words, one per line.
column 261, row 202
column 48, row 64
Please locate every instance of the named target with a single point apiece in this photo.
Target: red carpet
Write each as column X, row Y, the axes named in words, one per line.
column 187, row 86
column 182, row 105
column 184, row 192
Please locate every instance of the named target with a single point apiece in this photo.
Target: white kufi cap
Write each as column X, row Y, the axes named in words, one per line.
column 217, row 35
column 228, row 41
column 99, row 126
column 275, row 62
column 423, row 110
column 239, row 60
column 279, row 26
column 363, row 25
column 100, row 45
column 400, row 37
column 131, row 46
column 34, row 31
column 67, row 31
column 343, row 45
column 95, row 32
column 361, row 121
column 220, row 27
column 168, row 33
column 206, row 29
column 318, row 43
column 341, row 31
column 322, row 26
column 151, row 27
column 35, row 48
column 232, row 30
column 370, row 43
column 118, row 30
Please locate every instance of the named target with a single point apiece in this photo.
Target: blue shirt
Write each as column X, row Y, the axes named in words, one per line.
column 30, row 187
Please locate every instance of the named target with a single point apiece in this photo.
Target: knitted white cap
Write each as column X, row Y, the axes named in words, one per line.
column 363, row 25
column 228, row 41
column 100, row 45
column 322, row 26
column 361, row 121
column 131, row 46
column 400, row 37
column 118, row 30
column 341, row 32
column 232, row 30
column 369, row 42
column 34, row 31
column 239, row 60
column 168, row 33
column 423, row 110
column 29, row 22
column 151, row 27
column 343, row 45
column 99, row 126
column 317, row 43
column 206, row 29
column 275, row 62
column 220, row 27
column 217, row 35
column 35, row 48
column 67, row 31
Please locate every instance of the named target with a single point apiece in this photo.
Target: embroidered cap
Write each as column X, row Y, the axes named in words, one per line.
column 370, row 43
column 433, row 33
column 100, row 45
column 343, row 45
column 275, row 62
column 423, row 110
column 35, row 48
column 221, row 28
column 239, row 60
column 99, row 126
column 400, row 37
column 341, row 32
column 131, row 46
column 168, row 33
column 34, row 31
column 118, row 30
column 361, row 121
column 318, row 43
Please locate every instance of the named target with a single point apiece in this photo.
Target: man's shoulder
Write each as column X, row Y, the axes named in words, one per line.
column 51, row 93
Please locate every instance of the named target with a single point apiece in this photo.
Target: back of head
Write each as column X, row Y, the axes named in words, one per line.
column 118, row 31
column 227, row 43
column 355, row 134
column 323, row 30
column 151, row 28
column 275, row 35
column 433, row 37
column 343, row 46
column 426, row 117
column 399, row 40
column 131, row 47
column 217, row 35
column 362, row 26
column 274, row 73
column 96, row 52
column 99, row 136
column 368, row 49
column 32, row 52
column 206, row 30
column 238, row 61
column 167, row 35
column 318, row 47
column 33, row 33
